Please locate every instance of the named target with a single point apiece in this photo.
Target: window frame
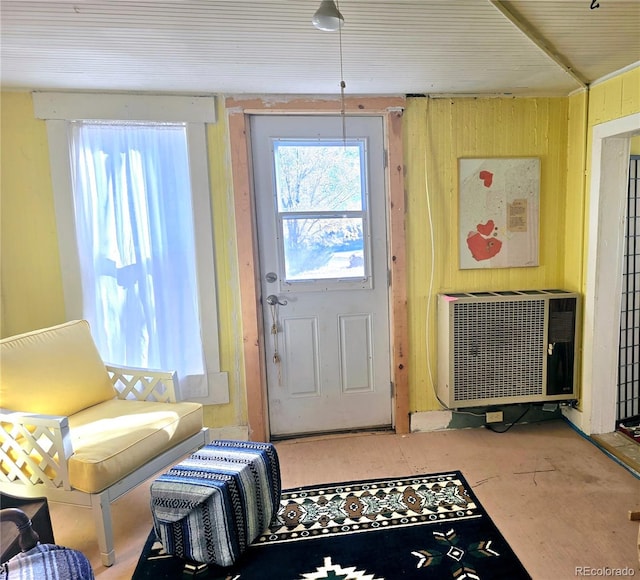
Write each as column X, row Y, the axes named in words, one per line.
column 58, row 110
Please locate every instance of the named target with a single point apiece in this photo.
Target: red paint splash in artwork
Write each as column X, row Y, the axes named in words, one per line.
column 487, row 178
column 486, row 229
column 483, row 248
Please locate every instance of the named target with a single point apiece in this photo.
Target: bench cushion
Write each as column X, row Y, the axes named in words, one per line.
column 114, row 438
column 53, row 371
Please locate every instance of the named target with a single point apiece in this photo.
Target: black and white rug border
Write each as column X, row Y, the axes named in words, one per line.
column 293, row 497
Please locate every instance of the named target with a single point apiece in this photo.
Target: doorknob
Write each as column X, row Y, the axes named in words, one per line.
column 272, row 300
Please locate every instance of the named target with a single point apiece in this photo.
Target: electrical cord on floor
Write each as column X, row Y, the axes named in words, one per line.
column 488, row 426
column 456, row 411
column 467, row 413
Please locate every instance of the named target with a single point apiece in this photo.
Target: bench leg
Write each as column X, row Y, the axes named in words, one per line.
column 101, row 509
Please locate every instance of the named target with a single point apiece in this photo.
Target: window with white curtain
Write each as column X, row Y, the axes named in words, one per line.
column 134, row 222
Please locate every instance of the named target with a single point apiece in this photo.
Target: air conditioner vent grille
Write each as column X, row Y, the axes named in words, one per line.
column 495, row 352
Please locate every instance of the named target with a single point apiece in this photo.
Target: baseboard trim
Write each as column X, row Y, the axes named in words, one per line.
column 430, row 420
column 474, row 417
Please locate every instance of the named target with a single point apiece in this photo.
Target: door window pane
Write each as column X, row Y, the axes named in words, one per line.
column 313, row 177
column 323, row 248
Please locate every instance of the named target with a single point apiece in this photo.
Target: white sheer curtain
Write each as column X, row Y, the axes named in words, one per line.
column 134, row 225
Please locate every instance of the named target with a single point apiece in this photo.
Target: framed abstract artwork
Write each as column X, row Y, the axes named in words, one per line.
column 499, row 212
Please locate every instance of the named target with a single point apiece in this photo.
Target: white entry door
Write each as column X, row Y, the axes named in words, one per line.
column 320, row 202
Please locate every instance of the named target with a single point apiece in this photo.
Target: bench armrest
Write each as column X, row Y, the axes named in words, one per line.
column 34, row 449
column 144, row 384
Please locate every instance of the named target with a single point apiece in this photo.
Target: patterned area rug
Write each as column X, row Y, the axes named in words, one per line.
column 426, row 526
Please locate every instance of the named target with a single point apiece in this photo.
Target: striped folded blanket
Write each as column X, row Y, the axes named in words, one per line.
column 45, row 561
column 211, row 506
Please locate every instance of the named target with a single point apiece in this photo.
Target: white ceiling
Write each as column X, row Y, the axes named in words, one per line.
column 520, row 47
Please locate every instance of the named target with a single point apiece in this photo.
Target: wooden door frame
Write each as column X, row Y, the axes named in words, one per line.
column 238, row 111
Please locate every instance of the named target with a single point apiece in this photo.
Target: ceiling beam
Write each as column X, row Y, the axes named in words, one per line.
column 532, row 34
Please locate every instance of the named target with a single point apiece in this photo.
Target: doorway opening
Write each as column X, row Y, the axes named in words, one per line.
column 603, row 295
column 240, row 111
column 628, row 409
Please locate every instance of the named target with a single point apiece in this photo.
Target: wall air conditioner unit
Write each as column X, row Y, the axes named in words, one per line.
column 506, row 347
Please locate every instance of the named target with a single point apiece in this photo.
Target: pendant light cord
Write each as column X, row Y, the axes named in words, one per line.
column 342, row 86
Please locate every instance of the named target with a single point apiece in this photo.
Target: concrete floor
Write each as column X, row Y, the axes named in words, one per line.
column 560, row 501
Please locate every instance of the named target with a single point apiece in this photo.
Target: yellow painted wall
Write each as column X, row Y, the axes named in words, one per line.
column 31, row 283
column 228, row 284
column 606, row 101
column 615, row 98
column 30, row 279
column 437, row 133
column 573, row 232
column 609, row 100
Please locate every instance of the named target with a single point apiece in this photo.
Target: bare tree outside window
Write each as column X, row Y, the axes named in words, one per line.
column 321, row 207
